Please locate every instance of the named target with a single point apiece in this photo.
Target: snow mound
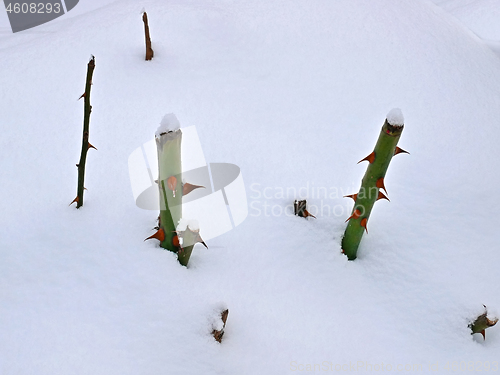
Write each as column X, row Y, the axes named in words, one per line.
column 214, row 318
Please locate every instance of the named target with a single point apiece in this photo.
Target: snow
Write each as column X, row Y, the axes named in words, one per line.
column 395, row 117
column 188, row 223
column 214, row 317
column 182, row 225
column 480, row 16
column 169, row 123
column 193, row 225
column 82, row 293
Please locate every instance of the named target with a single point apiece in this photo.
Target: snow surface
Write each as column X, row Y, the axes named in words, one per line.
column 480, row 16
column 82, row 293
column 395, row 117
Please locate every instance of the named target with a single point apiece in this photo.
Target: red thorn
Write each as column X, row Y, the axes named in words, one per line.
column 175, row 240
column 188, row 188
column 355, row 215
column 400, row 151
column 200, row 240
column 159, row 235
column 307, row 214
column 83, row 96
column 363, row 223
column 380, row 184
column 74, row 200
column 353, row 196
column 370, row 158
column 484, row 334
column 90, row 146
column 172, row 183
column 382, row 196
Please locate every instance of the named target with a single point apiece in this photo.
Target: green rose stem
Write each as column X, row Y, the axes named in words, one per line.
column 168, row 145
column 373, row 182
column 171, row 189
column 190, row 236
column 85, row 139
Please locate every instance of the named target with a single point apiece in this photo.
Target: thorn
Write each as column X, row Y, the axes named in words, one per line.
column 200, row 240
column 83, row 96
column 353, row 196
column 382, row 196
column 159, row 235
column 188, row 188
column 196, row 239
column 355, row 215
column 363, row 223
column 380, row 184
column 484, row 334
column 307, row 214
column 78, row 165
column 172, row 183
column 342, row 251
column 74, row 200
column 90, row 146
column 491, row 323
column 370, row 158
column 84, row 188
column 400, row 151
column 175, row 240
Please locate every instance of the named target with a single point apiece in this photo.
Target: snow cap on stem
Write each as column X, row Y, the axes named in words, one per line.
column 395, row 117
column 169, row 123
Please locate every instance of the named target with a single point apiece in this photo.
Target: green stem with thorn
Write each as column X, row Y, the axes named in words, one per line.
column 85, row 139
column 372, row 183
column 170, row 185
